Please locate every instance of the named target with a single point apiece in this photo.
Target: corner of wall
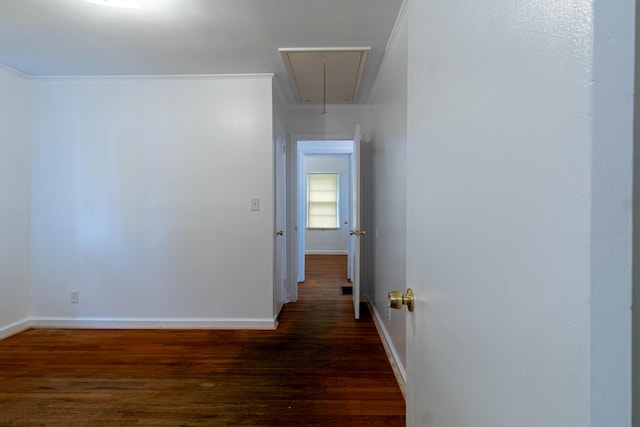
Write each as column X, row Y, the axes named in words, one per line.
column 14, row 328
column 394, row 359
column 15, row 206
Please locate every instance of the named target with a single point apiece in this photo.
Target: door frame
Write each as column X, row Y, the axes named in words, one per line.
column 295, row 177
column 635, row 251
column 280, row 220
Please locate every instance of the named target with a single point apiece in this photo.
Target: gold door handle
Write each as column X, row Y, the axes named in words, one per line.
column 397, row 300
column 280, row 233
column 357, row 232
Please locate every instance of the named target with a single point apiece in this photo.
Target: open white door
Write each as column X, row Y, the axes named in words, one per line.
column 300, row 213
column 280, row 225
column 356, row 232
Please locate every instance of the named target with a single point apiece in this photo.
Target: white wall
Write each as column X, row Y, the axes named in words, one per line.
column 499, row 152
column 327, row 241
column 387, row 236
column 15, row 113
column 141, row 201
column 339, row 122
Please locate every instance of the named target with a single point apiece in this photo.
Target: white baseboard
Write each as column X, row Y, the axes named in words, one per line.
column 325, row 252
column 151, row 323
column 397, row 367
column 14, row 328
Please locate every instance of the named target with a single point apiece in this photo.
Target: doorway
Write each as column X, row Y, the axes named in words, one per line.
column 327, row 150
column 324, row 208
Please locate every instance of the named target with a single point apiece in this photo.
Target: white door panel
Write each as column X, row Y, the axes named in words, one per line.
column 356, row 232
column 280, row 272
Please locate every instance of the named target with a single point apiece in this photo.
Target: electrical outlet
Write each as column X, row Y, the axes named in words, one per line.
column 75, row 297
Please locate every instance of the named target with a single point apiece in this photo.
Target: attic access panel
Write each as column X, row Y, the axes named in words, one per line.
column 344, row 68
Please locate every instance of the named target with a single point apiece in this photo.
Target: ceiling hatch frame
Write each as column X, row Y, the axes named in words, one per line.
column 341, row 83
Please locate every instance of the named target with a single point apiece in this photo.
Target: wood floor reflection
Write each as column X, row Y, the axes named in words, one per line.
column 320, row 367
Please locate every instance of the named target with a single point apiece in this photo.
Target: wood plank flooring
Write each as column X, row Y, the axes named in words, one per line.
column 319, row 368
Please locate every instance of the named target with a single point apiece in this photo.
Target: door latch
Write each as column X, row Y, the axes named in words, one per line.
column 397, row 300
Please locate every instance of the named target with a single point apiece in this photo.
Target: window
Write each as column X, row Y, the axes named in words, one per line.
column 322, row 200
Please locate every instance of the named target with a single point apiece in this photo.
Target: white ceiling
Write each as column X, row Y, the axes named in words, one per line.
column 166, row 37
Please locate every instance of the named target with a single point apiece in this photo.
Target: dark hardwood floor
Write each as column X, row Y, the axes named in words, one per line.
column 320, row 367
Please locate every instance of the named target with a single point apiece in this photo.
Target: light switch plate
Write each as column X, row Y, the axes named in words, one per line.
column 255, row 204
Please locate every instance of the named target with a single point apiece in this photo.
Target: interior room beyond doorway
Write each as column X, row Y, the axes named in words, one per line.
column 323, row 156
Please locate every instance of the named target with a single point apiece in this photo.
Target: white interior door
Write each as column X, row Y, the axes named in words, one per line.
column 280, row 271
column 300, row 213
column 356, row 232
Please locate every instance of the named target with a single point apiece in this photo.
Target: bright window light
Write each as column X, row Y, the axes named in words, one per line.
column 128, row 4
column 322, row 200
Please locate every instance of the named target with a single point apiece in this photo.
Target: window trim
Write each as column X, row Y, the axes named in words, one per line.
column 308, row 204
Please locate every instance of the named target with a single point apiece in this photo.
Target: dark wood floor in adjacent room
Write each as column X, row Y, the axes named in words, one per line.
column 320, row 367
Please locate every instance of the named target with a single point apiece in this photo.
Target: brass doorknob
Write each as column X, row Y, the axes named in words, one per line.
column 357, row 232
column 397, row 300
column 280, row 233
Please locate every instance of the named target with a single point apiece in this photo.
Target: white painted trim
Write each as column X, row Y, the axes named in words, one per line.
column 325, row 252
column 285, row 55
column 14, row 328
column 397, row 367
column 152, row 323
column 325, row 146
column 301, row 210
column 18, row 72
column 292, row 220
column 320, row 136
column 323, row 49
column 152, row 76
column 402, row 14
column 136, row 76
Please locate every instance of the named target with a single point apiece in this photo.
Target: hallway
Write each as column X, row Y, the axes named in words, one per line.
column 320, row 367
